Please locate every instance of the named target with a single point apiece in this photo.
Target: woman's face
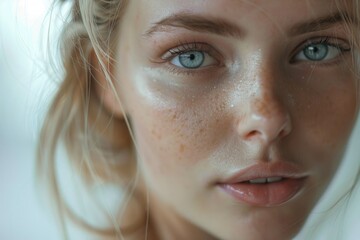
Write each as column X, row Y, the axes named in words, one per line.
column 241, row 110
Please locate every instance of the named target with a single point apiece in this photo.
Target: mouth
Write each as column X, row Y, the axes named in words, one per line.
column 265, row 180
column 264, row 184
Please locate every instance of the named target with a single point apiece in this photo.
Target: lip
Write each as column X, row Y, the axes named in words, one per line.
column 238, row 186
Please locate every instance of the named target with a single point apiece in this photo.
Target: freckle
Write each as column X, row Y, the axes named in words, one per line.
column 182, row 148
column 261, row 105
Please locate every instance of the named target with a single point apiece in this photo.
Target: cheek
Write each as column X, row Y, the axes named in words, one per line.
column 332, row 117
column 325, row 116
column 174, row 131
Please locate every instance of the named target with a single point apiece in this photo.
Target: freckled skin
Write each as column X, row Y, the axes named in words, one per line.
column 191, row 130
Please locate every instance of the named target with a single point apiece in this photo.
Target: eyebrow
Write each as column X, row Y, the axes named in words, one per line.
column 322, row 23
column 223, row 27
column 198, row 24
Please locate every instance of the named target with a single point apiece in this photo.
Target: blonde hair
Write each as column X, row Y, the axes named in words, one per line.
column 99, row 145
column 103, row 148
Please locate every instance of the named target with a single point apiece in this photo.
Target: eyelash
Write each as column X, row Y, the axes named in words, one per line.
column 185, row 47
column 327, row 40
column 330, row 42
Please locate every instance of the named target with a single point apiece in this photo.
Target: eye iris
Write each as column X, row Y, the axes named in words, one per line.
column 192, row 59
column 316, row 52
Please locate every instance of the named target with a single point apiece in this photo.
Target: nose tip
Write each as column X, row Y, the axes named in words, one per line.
column 266, row 122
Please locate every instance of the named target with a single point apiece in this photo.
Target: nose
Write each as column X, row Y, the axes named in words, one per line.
column 265, row 118
column 265, row 121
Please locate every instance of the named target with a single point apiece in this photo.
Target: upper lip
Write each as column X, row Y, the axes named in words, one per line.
column 265, row 170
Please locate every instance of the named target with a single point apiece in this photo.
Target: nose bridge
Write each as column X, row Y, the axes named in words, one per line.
column 266, row 101
column 266, row 116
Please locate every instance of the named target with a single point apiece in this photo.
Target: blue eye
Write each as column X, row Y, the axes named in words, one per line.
column 322, row 50
column 192, row 59
column 316, row 52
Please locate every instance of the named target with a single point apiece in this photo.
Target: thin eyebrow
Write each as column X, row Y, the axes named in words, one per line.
column 198, row 24
column 321, row 23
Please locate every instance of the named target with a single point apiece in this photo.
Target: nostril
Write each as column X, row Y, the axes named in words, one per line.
column 282, row 133
column 252, row 134
column 286, row 128
column 266, row 129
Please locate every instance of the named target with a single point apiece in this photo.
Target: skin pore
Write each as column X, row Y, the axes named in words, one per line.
column 213, row 87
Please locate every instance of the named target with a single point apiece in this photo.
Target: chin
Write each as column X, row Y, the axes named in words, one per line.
column 262, row 223
column 265, row 231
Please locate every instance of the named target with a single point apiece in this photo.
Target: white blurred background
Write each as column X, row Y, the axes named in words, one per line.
column 24, row 91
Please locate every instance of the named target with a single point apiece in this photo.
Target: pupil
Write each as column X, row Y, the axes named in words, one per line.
column 317, row 52
column 314, row 49
column 192, row 59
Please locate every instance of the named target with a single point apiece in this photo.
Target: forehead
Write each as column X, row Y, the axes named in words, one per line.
column 278, row 11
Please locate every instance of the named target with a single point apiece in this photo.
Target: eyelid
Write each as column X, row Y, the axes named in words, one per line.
column 192, row 46
column 341, row 44
column 335, row 42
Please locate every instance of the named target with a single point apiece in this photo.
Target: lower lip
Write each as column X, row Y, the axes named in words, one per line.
column 267, row 194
